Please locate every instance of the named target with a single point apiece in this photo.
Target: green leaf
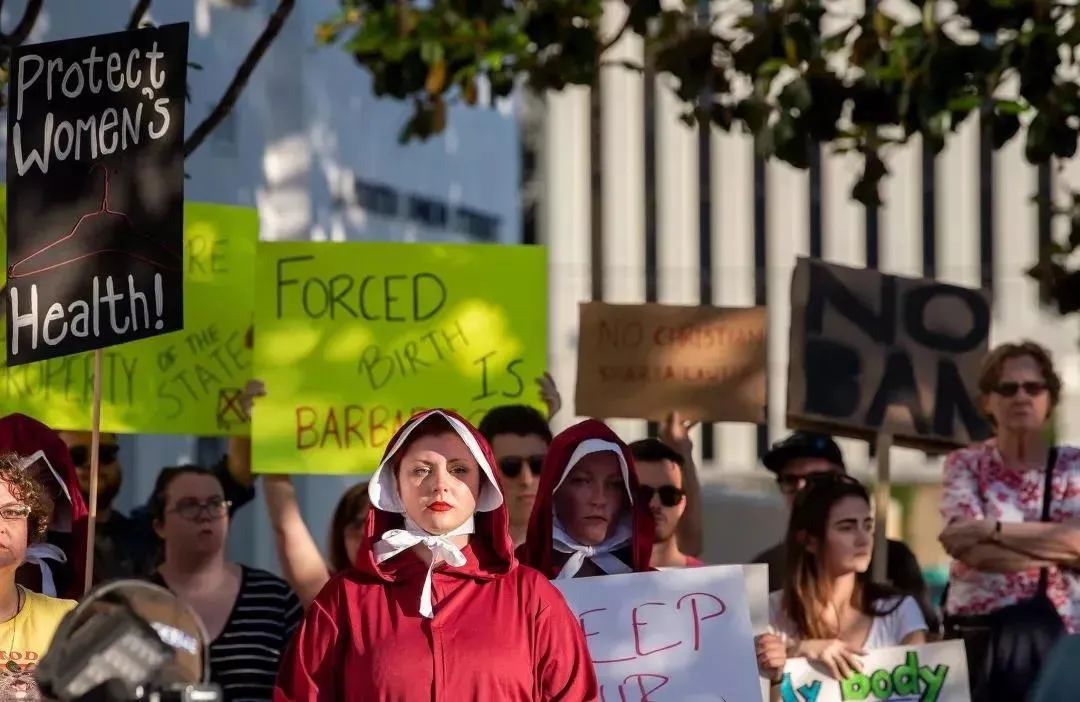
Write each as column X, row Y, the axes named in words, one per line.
column 795, row 95
column 431, row 51
column 1010, row 107
column 964, row 103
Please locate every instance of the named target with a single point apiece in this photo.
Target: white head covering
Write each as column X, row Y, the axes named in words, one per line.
column 383, row 492
column 382, row 489
column 601, row 554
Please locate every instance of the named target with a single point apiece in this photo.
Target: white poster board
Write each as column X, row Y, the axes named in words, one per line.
column 670, row 635
column 934, row 672
column 756, row 577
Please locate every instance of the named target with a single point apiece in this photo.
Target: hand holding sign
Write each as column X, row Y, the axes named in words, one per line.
column 840, row 658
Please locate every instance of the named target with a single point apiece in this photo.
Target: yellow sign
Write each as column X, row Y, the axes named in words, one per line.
column 355, row 337
column 187, row 382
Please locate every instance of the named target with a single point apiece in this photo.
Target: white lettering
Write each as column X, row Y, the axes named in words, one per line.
column 56, row 312
column 109, row 121
column 29, row 319
column 25, row 83
column 40, row 159
column 76, row 70
column 113, row 66
column 91, row 61
column 161, row 106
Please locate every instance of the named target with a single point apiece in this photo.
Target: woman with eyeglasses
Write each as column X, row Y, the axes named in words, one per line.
column 249, row 614
column 829, row 611
column 28, row 619
column 1012, row 509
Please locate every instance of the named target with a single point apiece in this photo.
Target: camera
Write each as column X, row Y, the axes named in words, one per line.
column 128, row 641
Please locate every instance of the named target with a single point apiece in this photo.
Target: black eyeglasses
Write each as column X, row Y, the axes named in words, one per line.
column 192, row 509
column 80, row 455
column 669, row 494
column 1031, row 388
column 510, row 466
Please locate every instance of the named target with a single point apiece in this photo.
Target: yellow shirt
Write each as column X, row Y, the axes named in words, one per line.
column 25, row 639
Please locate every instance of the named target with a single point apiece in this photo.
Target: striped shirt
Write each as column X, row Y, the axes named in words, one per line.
column 244, row 657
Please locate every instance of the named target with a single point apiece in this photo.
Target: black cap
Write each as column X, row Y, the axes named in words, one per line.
column 655, row 450
column 802, row 444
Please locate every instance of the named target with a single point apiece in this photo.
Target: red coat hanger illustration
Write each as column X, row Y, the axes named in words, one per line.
column 139, row 246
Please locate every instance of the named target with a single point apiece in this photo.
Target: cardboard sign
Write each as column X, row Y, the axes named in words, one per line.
column 863, row 342
column 353, row 338
column 934, row 672
column 671, row 635
column 95, row 178
column 187, row 383
column 645, row 361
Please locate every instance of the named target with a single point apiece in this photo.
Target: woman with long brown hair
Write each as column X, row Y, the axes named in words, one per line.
column 828, row 610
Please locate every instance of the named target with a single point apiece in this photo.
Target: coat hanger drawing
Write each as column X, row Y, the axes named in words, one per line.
column 142, row 247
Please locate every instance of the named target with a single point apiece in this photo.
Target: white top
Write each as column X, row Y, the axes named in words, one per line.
column 885, row 630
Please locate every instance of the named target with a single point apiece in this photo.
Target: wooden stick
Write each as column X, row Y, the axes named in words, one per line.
column 95, row 445
column 882, row 495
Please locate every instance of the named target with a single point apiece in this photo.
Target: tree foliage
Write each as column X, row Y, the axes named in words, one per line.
column 793, row 73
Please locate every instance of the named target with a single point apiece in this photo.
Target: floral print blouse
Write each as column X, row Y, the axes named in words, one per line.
column 978, row 486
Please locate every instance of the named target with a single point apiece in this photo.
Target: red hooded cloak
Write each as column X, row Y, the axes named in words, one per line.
column 500, row 632
column 26, row 436
column 538, row 550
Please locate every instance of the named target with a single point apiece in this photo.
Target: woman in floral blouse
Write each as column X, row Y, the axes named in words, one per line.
column 993, row 500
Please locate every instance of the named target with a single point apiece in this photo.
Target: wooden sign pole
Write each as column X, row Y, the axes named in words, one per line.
column 882, row 496
column 95, row 444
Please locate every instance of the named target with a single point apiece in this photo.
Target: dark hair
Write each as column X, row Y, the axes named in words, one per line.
column 165, row 478
column 994, row 364
column 514, row 419
column 804, row 591
column 346, row 514
column 28, row 492
column 655, row 450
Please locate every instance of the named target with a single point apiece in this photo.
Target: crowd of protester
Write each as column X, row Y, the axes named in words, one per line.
column 436, row 574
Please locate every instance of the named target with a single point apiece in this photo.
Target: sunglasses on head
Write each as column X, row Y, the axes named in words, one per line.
column 669, row 494
column 510, row 466
column 80, row 455
column 791, row 484
column 1031, row 388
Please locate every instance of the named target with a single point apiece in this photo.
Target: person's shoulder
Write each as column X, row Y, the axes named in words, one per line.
column 967, row 454
column 265, row 581
column 532, row 583
column 898, row 549
column 45, row 606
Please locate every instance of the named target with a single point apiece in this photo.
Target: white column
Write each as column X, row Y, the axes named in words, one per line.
column 564, row 229
column 957, row 191
column 788, row 237
column 733, row 270
column 623, row 178
column 677, row 203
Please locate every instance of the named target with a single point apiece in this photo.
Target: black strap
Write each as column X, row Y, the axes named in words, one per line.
column 1048, row 496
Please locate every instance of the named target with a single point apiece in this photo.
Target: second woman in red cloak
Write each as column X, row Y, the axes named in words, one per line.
column 438, row 607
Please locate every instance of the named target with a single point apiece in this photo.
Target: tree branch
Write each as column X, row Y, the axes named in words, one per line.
column 243, row 74
column 23, row 28
column 137, row 14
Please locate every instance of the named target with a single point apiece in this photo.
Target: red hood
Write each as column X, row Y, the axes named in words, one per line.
column 26, row 436
column 537, row 551
column 491, row 552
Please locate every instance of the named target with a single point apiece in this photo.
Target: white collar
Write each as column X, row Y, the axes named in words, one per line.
column 600, row 554
column 442, row 548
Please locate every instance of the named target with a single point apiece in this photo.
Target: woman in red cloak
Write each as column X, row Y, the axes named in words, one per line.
column 437, row 607
column 56, row 565
column 586, row 519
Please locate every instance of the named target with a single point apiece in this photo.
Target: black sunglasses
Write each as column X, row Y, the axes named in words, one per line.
column 80, row 455
column 669, row 494
column 510, row 466
column 1031, row 388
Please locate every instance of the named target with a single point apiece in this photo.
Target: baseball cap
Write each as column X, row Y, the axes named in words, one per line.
column 802, row 444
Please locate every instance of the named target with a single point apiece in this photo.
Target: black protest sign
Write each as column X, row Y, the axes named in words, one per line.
column 863, row 342
column 95, row 188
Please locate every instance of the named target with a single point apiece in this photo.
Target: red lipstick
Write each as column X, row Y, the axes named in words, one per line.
column 439, row 507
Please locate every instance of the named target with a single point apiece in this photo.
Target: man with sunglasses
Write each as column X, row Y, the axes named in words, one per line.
column 519, row 436
column 799, row 458
column 126, row 546
column 660, row 474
